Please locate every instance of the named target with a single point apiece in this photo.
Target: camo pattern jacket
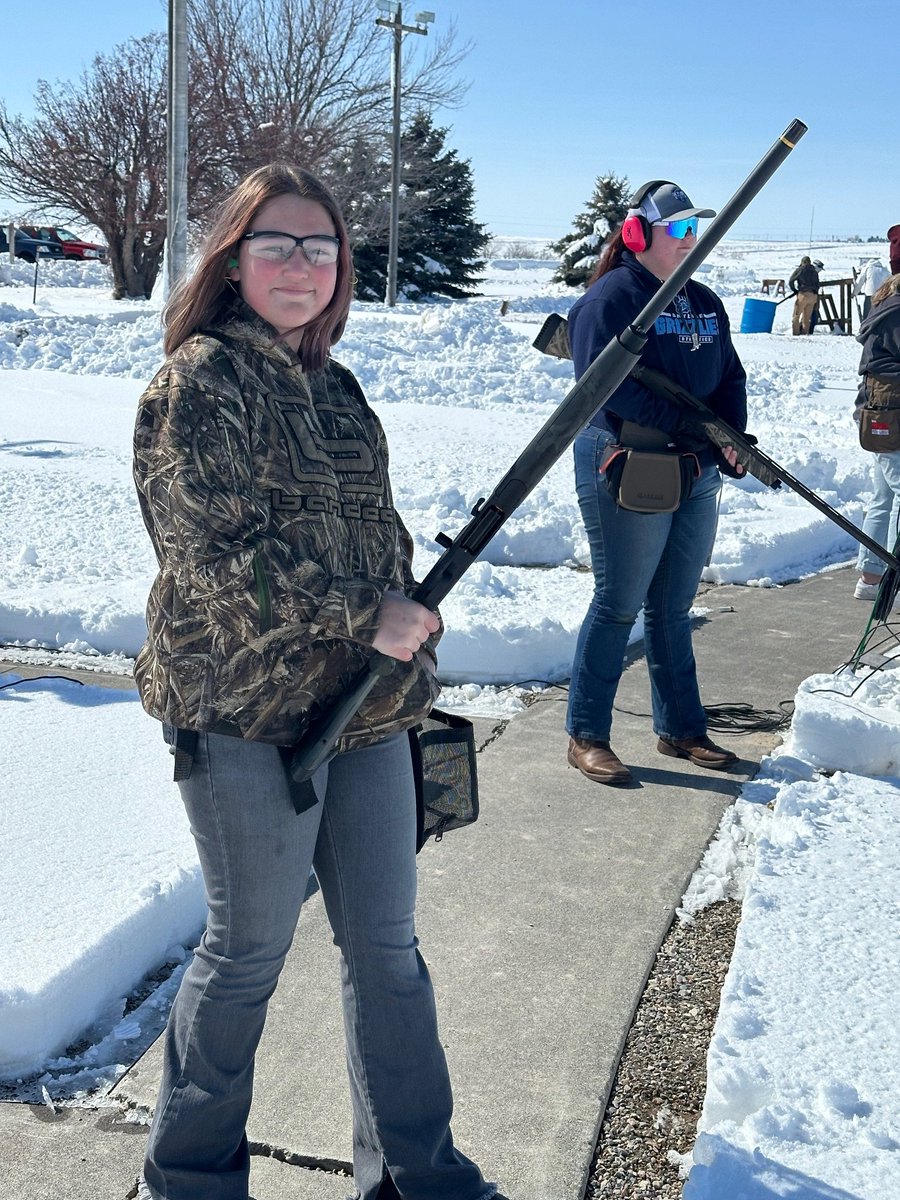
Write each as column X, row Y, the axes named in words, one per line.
column 265, row 491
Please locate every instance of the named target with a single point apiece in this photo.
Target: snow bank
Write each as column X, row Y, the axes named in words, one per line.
column 802, row 1080
column 100, row 875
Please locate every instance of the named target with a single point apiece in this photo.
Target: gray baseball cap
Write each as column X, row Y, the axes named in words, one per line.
column 669, row 203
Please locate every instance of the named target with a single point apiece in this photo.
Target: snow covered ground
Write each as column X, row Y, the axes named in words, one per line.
column 105, row 887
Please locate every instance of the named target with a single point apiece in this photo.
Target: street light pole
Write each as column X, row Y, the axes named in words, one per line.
column 394, row 22
column 177, row 144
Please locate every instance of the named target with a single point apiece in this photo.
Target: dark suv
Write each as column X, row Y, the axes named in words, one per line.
column 29, row 248
column 72, row 245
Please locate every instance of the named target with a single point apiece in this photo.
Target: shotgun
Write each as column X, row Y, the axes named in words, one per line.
column 598, row 383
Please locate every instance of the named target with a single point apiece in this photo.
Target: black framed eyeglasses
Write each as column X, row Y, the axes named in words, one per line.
column 319, row 249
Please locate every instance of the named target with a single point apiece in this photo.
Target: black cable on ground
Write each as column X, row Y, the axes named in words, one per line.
column 744, row 718
column 737, row 718
column 544, row 683
column 40, row 679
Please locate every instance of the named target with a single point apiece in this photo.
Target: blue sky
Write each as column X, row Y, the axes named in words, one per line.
column 565, row 90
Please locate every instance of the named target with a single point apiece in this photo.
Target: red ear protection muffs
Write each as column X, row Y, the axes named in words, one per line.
column 637, row 232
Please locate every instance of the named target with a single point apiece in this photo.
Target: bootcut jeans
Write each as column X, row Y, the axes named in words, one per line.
column 653, row 560
column 255, row 852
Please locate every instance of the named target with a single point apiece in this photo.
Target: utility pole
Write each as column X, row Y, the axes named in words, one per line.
column 176, row 144
column 394, row 21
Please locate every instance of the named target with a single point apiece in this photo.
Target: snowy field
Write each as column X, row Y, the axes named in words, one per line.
column 102, row 885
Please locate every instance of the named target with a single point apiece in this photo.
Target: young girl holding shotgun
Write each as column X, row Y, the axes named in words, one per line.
column 263, row 481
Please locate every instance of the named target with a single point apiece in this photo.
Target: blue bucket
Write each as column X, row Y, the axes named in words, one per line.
column 758, row 316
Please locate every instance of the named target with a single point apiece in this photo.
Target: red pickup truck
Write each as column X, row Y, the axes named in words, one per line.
column 72, row 246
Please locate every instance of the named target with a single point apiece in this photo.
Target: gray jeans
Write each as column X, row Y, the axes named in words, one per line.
column 256, row 852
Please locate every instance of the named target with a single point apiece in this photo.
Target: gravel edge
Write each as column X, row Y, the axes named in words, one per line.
column 651, row 1118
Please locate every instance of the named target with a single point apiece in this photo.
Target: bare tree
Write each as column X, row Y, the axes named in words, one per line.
column 97, row 148
column 299, row 80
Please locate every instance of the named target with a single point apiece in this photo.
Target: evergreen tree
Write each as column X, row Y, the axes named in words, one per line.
column 360, row 180
column 579, row 250
column 440, row 242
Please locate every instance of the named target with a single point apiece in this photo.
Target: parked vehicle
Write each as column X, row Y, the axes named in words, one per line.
column 72, row 245
column 29, row 248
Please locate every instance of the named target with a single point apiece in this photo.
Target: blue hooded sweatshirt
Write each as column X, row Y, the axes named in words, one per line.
column 690, row 343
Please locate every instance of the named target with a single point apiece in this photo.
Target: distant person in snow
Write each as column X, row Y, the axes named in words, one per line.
column 804, row 285
column 870, row 278
column 263, row 480
column 649, row 560
column 893, row 236
column 814, row 319
column 879, row 366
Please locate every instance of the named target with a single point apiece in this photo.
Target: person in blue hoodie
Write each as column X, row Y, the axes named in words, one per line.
column 649, row 560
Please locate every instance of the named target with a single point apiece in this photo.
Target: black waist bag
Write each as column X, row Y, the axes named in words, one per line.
column 443, row 756
column 647, row 481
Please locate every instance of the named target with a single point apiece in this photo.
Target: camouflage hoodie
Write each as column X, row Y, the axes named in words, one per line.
column 264, row 489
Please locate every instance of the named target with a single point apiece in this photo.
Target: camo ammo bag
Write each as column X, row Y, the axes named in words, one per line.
column 443, row 755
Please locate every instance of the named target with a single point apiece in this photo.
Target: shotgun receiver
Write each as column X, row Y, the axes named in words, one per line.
column 553, row 339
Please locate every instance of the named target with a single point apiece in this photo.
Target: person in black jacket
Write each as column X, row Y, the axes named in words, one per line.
column 653, row 560
column 804, row 284
column 879, row 366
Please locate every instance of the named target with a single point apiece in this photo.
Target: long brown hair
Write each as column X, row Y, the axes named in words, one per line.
column 890, row 287
column 610, row 257
column 200, row 300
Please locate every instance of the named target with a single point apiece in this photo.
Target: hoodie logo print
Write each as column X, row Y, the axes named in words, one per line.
column 315, row 459
column 689, row 328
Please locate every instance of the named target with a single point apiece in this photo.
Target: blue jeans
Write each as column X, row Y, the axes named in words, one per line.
column 649, row 559
column 882, row 512
column 256, row 853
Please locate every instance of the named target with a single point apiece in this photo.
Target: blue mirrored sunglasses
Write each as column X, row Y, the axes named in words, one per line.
column 319, row 249
column 680, row 229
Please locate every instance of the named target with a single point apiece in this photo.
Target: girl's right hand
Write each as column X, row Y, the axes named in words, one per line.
column 403, row 625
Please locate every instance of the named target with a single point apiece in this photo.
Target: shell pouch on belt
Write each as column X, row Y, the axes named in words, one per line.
column 879, row 417
column 446, row 775
column 644, row 473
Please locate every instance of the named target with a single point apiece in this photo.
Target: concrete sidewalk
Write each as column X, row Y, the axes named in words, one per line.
column 540, row 925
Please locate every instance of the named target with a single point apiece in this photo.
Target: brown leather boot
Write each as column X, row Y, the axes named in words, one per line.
column 699, row 750
column 598, row 762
